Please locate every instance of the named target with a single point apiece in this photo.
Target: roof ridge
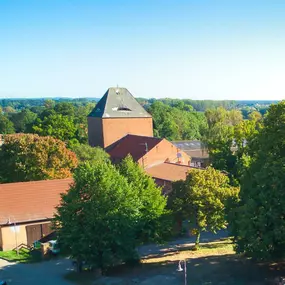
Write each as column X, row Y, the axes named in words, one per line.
column 36, row 181
column 151, row 137
column 178, row 164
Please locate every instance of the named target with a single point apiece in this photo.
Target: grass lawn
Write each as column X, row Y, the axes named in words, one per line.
column 24, row 256
column 214, row 264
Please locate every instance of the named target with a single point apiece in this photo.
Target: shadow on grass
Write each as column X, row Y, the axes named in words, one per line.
column 210, row 270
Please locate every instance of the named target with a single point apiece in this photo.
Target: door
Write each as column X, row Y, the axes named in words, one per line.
column 34, row 233
column 46, row 229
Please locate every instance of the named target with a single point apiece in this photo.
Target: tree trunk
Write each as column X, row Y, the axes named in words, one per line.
column 197, row 243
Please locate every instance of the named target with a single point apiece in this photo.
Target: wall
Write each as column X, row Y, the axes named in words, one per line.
column 116, row 128
column 164, row 151
column 95, row 132
column 165, row 185
column 9, row 236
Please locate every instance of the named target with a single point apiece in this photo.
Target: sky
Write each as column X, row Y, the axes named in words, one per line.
column 196, row 49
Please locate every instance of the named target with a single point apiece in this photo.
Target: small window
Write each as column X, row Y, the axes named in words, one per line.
column 124, row 109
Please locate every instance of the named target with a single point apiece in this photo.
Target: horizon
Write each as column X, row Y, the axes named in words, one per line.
column 199, row 50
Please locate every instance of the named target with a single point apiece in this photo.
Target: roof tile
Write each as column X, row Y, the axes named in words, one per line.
column 30, row 201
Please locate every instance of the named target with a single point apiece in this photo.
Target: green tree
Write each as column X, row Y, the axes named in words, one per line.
column 49, row 103
column 227, row 137
column 6, row 126
column 97, row 217
column 23, row 120
column 105, row 215
column 57, row 126
column 86, row 153
column 202, row 199
column 259, row 224
column 65, row 109
column 154, row 223
column 30, row 157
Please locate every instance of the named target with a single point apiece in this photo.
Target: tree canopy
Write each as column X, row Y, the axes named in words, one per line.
column 259, row 224
column 30, row 157
column 103, row 216
column 202, row 199
column 6, row 126
column 227, row 137
column 86, row 153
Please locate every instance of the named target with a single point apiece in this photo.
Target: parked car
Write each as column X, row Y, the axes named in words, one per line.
column 53, row 247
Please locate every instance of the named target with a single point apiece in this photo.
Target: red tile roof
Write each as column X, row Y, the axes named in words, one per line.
column 133, row 145
column 30, row 201
column 169, row 171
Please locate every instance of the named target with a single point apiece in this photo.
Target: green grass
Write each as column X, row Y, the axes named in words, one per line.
column 24, row 256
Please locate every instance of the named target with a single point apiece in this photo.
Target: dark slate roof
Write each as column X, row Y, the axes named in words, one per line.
column 118, row 103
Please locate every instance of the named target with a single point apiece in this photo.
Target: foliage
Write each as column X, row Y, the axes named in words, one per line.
column 57, row 126
column 23, row 120
column 202, row 199
column 260, row 226
column 103, row 216
column 30, row 157
column 227, row 137
column 154, row 225
column 6, row 126
column 179, row 122
column 86, row 153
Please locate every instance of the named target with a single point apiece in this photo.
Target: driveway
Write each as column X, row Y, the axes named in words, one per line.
column 42, row 273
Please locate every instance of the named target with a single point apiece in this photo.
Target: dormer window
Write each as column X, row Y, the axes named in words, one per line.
column 124, row 109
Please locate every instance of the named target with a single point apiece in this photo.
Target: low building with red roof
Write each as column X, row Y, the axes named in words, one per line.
column 26, row 209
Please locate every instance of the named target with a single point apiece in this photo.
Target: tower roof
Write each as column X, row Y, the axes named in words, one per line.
column 118, row 103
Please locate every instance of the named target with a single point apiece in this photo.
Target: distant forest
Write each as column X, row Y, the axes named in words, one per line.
column 66, row 118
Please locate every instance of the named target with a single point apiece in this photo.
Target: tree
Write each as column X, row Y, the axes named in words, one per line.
column 57, row 126
column 30, row 157
column 65, row 109
column 105, row 215
column 6, row 126
column 202, row 199
column 23, row 120
column 8, row 110
column 97, row 217
column 259, row 224
column 154, row 223
column 86, row 153
column 227, row 137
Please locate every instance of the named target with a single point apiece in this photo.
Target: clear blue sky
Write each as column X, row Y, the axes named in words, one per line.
column 231, row 49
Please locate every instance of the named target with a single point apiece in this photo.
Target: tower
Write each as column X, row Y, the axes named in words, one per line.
column 116, row 115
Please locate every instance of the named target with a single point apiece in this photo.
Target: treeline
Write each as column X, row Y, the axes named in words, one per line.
column 62, row 120
column 22, row 103
column 66, row 119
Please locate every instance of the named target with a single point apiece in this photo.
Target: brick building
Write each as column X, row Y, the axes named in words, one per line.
column 116, row 115
column 121, row 126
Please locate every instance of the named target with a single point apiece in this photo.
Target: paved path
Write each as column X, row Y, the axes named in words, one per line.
column 52, row 272
column 42, row 273
column 181, row 243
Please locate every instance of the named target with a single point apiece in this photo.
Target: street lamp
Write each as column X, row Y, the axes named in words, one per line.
column 16, row 238
column 180, row 269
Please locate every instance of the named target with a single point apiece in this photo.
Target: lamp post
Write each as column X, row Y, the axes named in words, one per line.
column 180, row 269
column 16, row 238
